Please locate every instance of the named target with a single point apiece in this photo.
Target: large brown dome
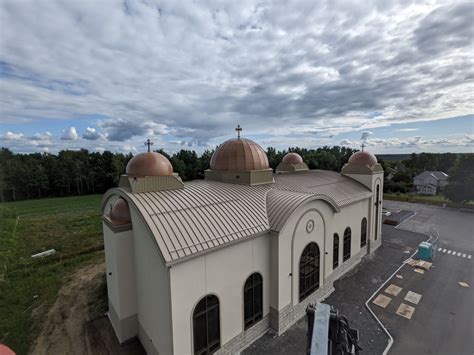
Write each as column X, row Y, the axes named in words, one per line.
column 120, row 213
column 363, row 158
column 292, row 158
column 149, row 164
column 239, row 154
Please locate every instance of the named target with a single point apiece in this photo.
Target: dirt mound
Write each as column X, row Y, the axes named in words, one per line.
column 79, row 301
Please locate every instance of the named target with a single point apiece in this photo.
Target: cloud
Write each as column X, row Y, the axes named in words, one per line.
column 194, row 71
column 122, row 130
column 455, row 141
column 469, row 138
column 365, row 135
column 69, row 134
column 92, row 134
column 10, row 136
column 446, row 28
column 346, row 142
column 46, row 136
column 407, row 129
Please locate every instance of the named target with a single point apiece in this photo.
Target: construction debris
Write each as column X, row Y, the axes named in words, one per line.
column 44, row 254
column 422, row 264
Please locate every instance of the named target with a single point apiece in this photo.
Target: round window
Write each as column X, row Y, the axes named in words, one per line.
column 310, row 226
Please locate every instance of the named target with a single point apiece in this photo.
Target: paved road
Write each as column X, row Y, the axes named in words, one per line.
column 456, row 228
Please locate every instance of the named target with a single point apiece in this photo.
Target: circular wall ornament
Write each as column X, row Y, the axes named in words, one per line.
column 310, row 226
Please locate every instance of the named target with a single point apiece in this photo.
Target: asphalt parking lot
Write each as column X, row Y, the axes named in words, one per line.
column 441, row 319
column 431, row 312
column 456, row 228
column 352, row 291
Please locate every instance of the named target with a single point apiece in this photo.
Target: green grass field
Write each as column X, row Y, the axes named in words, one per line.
column 28, row 287
column 431, row 200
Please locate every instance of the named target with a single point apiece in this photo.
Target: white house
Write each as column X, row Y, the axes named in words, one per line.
column 210, row 266
column 430, row 182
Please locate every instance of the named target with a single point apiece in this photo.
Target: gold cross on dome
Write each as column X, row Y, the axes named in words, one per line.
column 363, row 146
column 238, row 130
column 149, row 143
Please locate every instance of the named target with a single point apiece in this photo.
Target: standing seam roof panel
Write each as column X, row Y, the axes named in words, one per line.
column 178, row 202
column 208, row 214
column 186, row 235
column 172, row 222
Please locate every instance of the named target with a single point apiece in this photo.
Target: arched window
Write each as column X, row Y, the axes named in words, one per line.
column 309, row 270
column 346, row 252
column 253, row 300
column 335, row 251
column 206, row 327
column 363, row 232
column 377, row 203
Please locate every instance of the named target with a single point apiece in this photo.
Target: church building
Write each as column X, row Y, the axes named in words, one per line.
column 209, row 266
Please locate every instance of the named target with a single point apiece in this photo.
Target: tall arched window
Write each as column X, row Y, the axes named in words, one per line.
column 346, row 252
column 363, row 232
column 206, row 327
column 309, row 270
column 253, row 300
column 335, row 251
column 377, row 203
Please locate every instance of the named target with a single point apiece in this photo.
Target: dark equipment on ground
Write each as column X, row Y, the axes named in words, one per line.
column 329, row 333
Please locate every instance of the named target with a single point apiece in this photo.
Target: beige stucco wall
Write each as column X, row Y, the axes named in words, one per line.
column 294, row 238
column 153, row 293
column 120, row 271
column 222, row 273
column 371, row 181
column 165, row 298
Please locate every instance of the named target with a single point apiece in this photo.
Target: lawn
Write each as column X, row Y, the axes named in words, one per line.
column 432, row 200
column 28, row 287
column 414, row 198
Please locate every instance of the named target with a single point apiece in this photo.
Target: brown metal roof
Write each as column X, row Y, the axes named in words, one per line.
column 208, row 214
column 339, row 188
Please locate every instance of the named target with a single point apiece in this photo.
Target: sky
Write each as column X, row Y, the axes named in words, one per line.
column 106, row 75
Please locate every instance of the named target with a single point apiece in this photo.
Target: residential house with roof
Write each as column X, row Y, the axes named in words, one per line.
column 430, row 182
column 211, row 265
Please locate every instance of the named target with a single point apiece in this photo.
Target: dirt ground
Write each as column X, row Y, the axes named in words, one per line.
column 63, row 328
column 76, row 323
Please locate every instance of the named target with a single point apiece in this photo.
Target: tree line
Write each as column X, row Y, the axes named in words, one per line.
column 69, row 173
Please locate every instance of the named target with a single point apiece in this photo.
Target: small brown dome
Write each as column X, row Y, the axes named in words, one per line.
column 292, row 158
column 149, row 164
column 363, row 158
column 120, row 213
column 239, row 154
